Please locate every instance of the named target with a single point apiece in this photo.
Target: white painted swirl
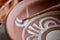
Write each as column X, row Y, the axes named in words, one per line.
column 46, row 21
column 51, row 20
column 18, row 22
column 46, row 25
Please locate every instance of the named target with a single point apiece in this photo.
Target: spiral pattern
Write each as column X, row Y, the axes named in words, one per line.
column 45, row 22
column 18, row 23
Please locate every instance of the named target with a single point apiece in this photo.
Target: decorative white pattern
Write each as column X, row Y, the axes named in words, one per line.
column 44, row 24
column 19, row 23
column 50, row 20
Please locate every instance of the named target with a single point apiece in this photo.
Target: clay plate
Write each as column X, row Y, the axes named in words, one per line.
column 17, row 30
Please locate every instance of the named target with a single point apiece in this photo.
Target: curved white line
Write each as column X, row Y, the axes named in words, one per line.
column 35, row 25
column 31, row 32
column 46, row 18
column 19, row 25
column 33, row 20
column 18, row 20
column 46, row 24
column 30, row 27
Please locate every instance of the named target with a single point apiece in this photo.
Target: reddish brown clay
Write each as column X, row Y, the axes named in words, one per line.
column 26, row 8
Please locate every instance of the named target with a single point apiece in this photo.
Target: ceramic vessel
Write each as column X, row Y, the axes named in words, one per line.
column 35, row 28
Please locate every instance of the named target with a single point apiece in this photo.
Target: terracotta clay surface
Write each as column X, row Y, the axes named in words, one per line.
column 31, row 29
